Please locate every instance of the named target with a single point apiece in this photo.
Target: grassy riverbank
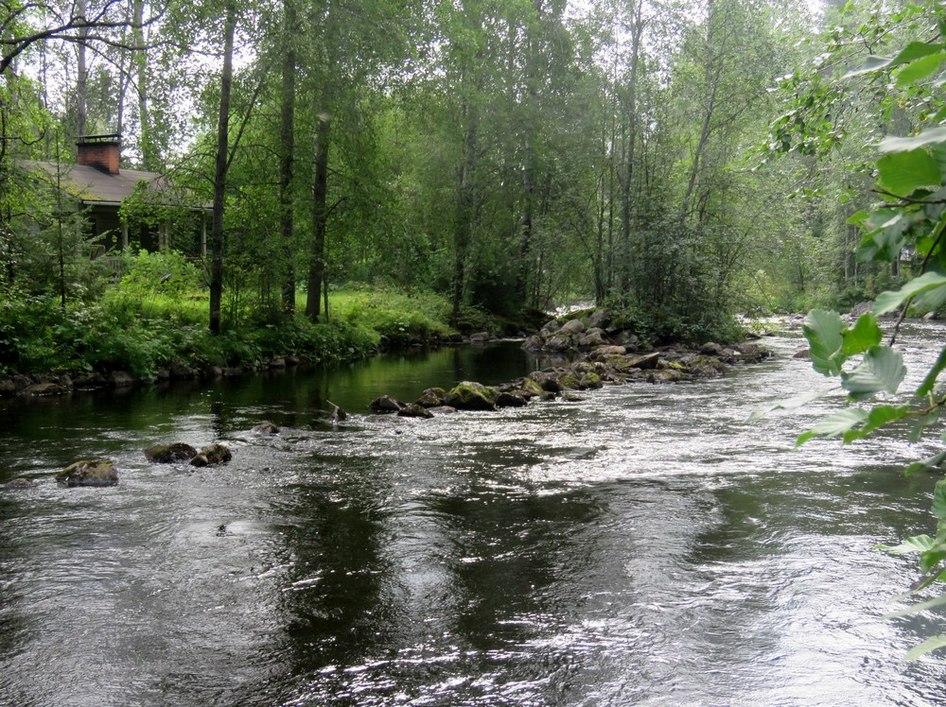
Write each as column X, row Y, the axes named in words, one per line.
column 154, row 318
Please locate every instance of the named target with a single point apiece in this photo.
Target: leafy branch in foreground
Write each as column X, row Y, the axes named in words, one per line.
column 910, row 218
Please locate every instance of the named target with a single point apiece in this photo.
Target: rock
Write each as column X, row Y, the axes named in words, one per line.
column 169, row 453
column 162, row 374
column 546, row 397
column 20, row 483
column 930, row 316
column 533, row 343
column 338, row 413
column 88, row 381
column 567, row 380
column 469, row 395
column 442, row 410
column 385, row 404
column 752, row 353
column 215, row 372
column 547, row 381
column 569, row 398
column 480, row 337
column 628, row 339
column 602, row 352
column 212, row 454
column 89, row 472
column 431, row 398
column 599, row 319
column 7, row 388
column 573, row 326
column 706, row 366
column 667, row 375
column 529, row 388
column 43, row 389
column 266, row 428
column 180, row 371
column 711, row 348
column 587, row 381
column 21, row 381
column 549, row 328
column 559, row 342
column 510, row 400
column 278, row 362
column 292, row 360
column 414, row 410
column 233, row 371
column 121, row 379
column 802, row 353
column 645, row 362
column 592, row 338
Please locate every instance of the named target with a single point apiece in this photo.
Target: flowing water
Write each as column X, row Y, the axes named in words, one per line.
column 647, row 543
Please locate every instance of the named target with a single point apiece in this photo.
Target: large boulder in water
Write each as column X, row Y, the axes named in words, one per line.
column 212, row 454
column 529, row 388
column 431, row 398
column 645, row 362
column 469, row 395
column 266, row 428
column 547, row 381
column 385, row 404
column 169, row 453
column 89, row 472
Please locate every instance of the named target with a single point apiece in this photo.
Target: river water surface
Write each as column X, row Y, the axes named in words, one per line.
column 648, row 543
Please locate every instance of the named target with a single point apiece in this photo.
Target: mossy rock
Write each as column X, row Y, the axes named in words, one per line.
column 385, row 404
column 431, row 398
column 568, row 380
column 529, row 388
column 547, row 381
column 169, row 453
column 89, row 472
column 469, row 395
column 587, row 381
column 212, row 455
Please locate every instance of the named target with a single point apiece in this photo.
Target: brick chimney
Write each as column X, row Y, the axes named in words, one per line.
column 100, row 151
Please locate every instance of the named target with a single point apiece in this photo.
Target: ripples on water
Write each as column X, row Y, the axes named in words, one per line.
column 645, row 544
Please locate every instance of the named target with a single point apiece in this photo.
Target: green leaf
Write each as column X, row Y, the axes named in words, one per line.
column 879, row 416
column 926, row 387
column 939, row 499
column 914, row 51
column 890, row 300
column 833, row 425
column 931, row 136
column 871, row 64
column 863, row 335
column 920, row 69
column 917, row 608
column 881, row 369
column 902, row 173
column 917, row 543
column 932, row 463
column 823, row 331
column 926, row 647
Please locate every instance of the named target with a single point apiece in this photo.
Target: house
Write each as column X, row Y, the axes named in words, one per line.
column 99, row 184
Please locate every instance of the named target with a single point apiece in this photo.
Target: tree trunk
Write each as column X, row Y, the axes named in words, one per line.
column 286, row 146
column 149, row 152
column 463, row 223
column 220, row 171
column 628, row 179
column 319, row 216
column 82, row 74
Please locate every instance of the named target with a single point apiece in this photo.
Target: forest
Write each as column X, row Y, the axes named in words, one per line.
column 487, row 160
column 472, row 351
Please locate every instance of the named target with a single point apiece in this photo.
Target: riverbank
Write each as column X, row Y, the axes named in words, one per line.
column 129, row 336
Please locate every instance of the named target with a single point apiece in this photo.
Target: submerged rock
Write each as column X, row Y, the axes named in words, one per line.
column 20, row 483
column 469, row 395
column 414, row 410
column 266, row 428
column 44, row 389
column 547, row 381
column 384, row 404
column 169, row 453
column 431, row 398
column 89, row 472
column 121, row 379
column 212, row 455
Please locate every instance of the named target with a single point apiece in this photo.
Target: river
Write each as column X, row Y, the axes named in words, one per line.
column 646, row 544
